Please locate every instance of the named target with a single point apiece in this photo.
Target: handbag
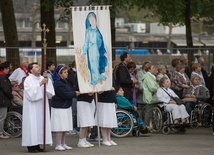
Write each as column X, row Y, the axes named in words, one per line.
column 176, row 99
column 188, row 99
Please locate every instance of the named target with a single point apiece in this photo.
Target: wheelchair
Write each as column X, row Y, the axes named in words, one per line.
column 161, row 120
column 127, row 123
column 201, row 114
column 13, row 122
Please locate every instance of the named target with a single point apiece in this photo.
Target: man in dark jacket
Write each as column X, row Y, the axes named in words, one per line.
column 123, row 78
column 5, row 95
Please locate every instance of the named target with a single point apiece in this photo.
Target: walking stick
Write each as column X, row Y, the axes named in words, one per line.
column 44, row 30
column 98, row 125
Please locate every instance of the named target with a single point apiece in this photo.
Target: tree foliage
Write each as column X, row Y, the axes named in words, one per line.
column 10, row 32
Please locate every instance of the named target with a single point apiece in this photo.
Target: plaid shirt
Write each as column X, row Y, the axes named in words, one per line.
column 178, row 80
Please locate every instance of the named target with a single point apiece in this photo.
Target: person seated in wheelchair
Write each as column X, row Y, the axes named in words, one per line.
column 166, row 96
column 194, row 94
column 124, row 103
column 17, row 100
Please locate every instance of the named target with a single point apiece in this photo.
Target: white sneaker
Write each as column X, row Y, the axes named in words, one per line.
column 113, row 143
column 106, row 143
column 82, row 144
column 89, row 144
column 65, row 146
column 59, row 148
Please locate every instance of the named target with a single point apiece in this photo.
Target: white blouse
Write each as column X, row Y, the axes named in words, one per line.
column 162, row 96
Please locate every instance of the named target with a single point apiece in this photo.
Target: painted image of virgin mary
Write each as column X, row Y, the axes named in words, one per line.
column 94, row 50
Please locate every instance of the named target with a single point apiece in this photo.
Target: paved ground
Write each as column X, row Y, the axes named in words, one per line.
column 195, row 142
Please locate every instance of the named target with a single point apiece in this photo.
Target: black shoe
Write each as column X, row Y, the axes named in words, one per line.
column 37, row 147
column 32, row 149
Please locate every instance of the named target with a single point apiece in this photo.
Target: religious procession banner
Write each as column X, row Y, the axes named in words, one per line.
column 92, row 44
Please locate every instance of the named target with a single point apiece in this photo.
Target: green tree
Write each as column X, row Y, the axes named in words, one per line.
column 178, row 12
column 10, row 32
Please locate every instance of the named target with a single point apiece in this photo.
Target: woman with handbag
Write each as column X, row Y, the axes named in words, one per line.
column 194, row 93
column 167, row 95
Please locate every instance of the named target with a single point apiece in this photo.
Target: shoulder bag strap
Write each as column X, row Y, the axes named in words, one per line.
column 167, row 93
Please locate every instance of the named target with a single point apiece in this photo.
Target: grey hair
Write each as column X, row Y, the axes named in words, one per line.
column 23, row 59
column 161, row 67
column 162, row 80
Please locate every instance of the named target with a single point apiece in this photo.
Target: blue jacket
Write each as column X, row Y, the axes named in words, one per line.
column 107, row 97
column 63, row 94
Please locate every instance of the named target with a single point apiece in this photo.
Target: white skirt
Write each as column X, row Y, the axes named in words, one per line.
column 107, row 115
column 85, row 114
column 61, row 119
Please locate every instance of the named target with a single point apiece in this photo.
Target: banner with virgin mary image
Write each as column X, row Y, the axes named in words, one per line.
column 92, row 44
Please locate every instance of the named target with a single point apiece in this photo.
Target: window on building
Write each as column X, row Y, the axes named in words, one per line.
column 60, row 25
column 19, row 24
column 28, row 24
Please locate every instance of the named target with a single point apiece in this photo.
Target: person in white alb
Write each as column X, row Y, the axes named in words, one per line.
column 21, row 71
column 33, row 107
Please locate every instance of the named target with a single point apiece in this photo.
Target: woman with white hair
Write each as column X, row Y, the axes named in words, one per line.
column 166, row 95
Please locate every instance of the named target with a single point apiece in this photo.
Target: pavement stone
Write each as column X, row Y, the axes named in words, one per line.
column 195, row 142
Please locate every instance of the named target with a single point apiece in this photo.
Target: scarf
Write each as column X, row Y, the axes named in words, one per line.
column 26, row 71
column 2, row 73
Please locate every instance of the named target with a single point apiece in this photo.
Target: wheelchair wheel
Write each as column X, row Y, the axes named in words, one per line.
column 125, row 124
column 182, row 130
column 13, row 124
column 156, row 121
column 194, row 125
column 134, row 132
column 205, row 115
column 166, row 130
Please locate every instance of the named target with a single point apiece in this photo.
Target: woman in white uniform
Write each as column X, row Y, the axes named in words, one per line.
column 61, row 112
column 107, row 115
column 85, row 116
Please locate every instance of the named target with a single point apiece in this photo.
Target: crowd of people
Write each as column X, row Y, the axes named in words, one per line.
column 66, row 108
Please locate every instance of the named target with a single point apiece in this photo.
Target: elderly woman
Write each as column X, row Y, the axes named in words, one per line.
column 17, row 99
column 161, row 72
column 196, row 91
column 180, row 80
column 196, row 70
column 165, row 95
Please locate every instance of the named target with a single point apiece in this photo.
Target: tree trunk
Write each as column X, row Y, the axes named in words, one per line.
column 35, row 20
column 200, row 30
column 188, row 30
column 10, row 32
column 113, row 40
column 47, row 18
column 70, row 33
column 169, row 37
